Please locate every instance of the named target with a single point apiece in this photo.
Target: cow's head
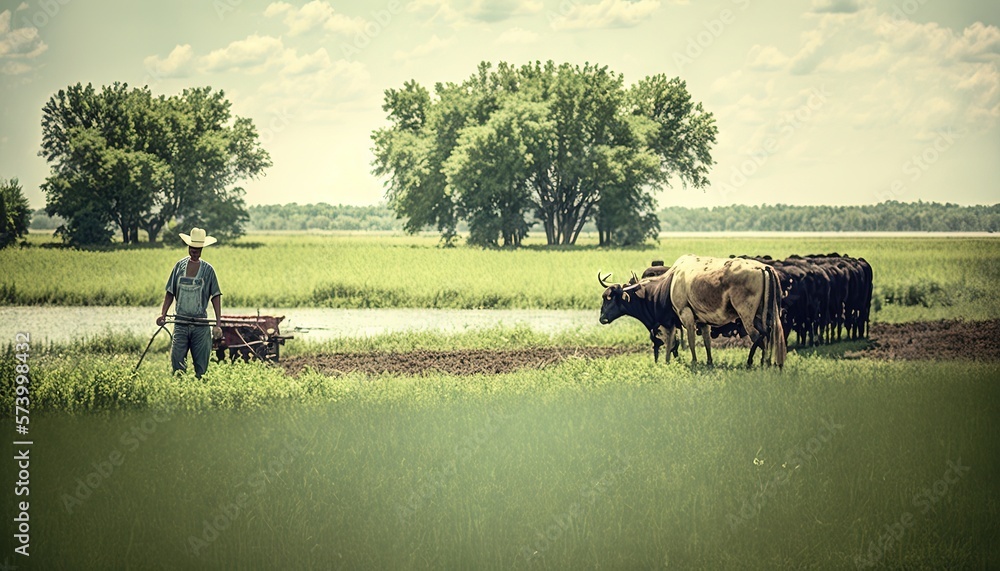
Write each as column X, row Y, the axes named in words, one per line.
column 615, row 300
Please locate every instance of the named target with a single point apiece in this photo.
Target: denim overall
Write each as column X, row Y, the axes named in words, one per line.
column 189, row 303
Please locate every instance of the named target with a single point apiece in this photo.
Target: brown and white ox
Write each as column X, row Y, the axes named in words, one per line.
column 699, row 293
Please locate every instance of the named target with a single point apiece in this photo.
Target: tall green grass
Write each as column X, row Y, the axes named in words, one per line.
column 915, row 278
column 611, row 463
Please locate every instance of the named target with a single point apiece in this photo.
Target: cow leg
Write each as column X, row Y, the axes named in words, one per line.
column 687, row 318
column 758, row 341
column 657, row 336
column 706, row 333
column 755, row 329
column 666, row 337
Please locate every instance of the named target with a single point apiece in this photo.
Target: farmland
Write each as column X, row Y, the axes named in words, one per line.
column 608, row 462
column 591, row 457
column 915, row 279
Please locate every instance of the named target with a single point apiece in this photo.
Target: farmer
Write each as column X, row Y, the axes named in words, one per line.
column 192, row 283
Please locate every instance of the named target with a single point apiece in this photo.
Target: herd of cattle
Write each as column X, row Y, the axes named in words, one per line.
column 822, row 298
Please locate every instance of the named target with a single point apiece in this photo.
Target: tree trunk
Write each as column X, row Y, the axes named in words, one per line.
column 566, row 229
column 550, row 233
column 123, row 226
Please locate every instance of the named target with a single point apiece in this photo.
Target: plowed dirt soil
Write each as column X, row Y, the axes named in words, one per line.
column 938, row 340
column 458, row 362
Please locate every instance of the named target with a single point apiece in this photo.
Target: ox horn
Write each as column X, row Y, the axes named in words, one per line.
column 600, row 279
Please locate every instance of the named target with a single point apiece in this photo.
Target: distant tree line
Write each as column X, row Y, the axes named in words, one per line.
column 884, row 217
column 889, row 216
column 323, row 216
column 40, row 220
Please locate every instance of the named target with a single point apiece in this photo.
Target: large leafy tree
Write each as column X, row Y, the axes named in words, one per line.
column 486, row 173
column 15, row 212
column 567, row 143
column 121, row 157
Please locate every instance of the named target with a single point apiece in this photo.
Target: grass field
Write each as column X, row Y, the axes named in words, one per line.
column 915, row 278
column 618, row 463
column 608, row 463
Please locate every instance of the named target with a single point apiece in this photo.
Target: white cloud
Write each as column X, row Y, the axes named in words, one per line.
column 17, row 45
column 836, row 6
column 294, row 65
column 276, row 9
column 306, row 86
column 174, row 65
column 315, row 80
column 766, row 58
column 315, row 14
column 499, row 10
column 461, row 12
column 978, row 43
column 253, row 54
column 517, row 35
column 14, row 68
column 915, row 79
column 432, row 45
column 605, row 14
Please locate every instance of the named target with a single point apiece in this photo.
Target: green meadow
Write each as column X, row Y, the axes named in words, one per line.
column 605, row 463
column 915, row 278
column 620, row 463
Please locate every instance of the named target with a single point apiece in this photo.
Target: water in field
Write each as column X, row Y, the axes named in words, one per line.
column 315, row 324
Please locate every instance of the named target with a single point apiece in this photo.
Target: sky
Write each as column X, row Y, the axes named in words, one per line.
column 816, row 101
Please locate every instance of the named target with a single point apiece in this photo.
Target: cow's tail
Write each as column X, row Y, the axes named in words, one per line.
column 776, row 347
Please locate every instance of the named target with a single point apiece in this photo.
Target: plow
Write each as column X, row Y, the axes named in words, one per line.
column 249, row 337
column 244, row 337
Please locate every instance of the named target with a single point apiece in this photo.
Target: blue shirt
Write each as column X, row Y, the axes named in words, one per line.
column 191, row 295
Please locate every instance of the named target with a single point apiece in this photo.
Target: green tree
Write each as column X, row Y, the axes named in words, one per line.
column 98, row 145
column 564, row 142
column 410, row 155
column 15, row 212
column 486, row 173
column 209, row 151
column 121, row 157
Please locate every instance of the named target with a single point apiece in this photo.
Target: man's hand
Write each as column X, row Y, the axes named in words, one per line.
column 216, row 332
column 161, row 320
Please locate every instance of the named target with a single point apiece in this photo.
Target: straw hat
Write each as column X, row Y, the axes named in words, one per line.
column 198, row 239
